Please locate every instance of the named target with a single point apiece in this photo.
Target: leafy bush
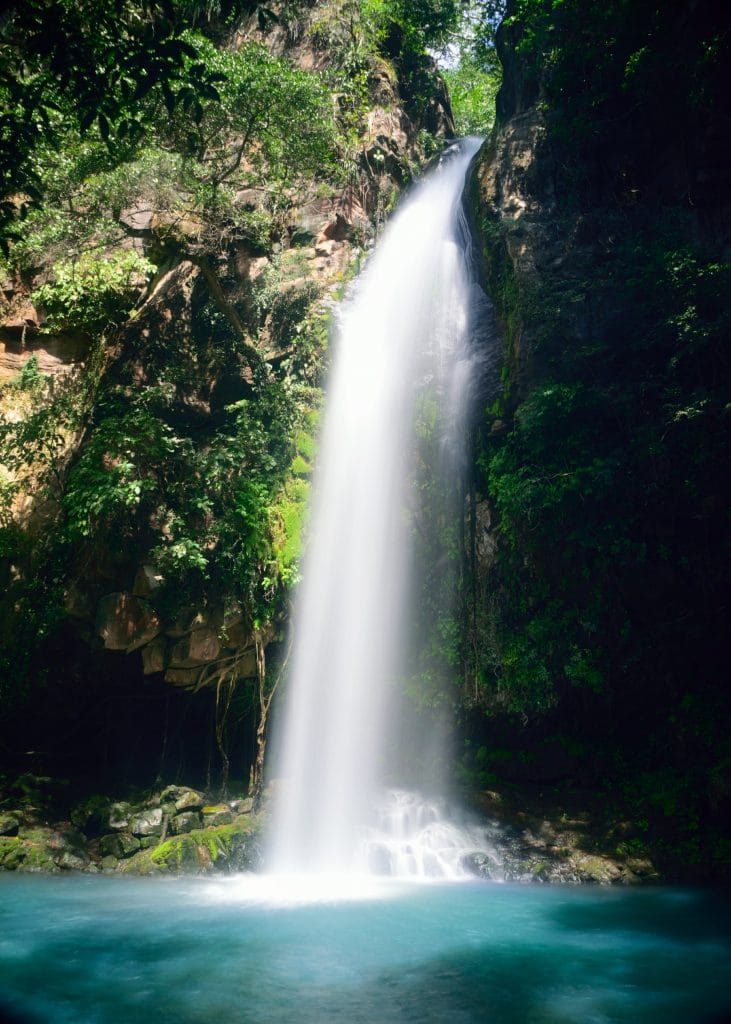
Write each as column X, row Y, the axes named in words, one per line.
column 93, row 292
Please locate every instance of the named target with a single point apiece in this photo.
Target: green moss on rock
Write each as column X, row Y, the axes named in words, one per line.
column 12, row 852
column 231, row 847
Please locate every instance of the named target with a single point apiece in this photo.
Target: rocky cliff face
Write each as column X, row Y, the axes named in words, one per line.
column 602, row 203
column 197, row 436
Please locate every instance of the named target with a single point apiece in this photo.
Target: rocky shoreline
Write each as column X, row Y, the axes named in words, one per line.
column 563, row 838
column 173, row 831
column 177, row 830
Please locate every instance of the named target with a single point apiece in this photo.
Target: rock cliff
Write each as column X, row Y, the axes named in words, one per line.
column 161, row 512
column 602, row 204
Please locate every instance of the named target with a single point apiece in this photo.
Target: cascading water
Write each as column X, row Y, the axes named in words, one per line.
column 404, row 332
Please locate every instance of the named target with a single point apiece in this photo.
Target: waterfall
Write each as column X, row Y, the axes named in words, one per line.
column 405, row 332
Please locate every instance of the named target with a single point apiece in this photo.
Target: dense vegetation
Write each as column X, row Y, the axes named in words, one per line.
column 148, row 164
column 163, row 157
column 607, row 454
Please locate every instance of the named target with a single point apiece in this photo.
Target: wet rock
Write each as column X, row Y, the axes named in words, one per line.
column 169, row 809
column 478, row 864
column 243, row 806
column 226, row 848
column 597, row 869
column 119, row 845
column 327, row 247
column 188, row 821
column 119, row 815
column 238, row 633
column 67, row 849
column 217, row 814
column 148, row 823
column 109, row 863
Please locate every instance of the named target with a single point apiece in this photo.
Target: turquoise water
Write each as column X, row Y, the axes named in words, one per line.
column 100, row 950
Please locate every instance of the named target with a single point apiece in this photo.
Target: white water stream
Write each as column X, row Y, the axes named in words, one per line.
column 406, row 328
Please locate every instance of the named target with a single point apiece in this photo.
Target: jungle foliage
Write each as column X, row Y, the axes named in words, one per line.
column 606, row 454
column 76, row 66
column 155, row 143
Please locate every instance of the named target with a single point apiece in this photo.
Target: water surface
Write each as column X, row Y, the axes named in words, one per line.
column 100, row 950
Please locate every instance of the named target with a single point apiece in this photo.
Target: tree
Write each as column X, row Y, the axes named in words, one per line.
column 473, row 72
column 80, row 63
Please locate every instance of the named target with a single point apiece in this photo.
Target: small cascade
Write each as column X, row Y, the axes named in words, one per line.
column 413, row 837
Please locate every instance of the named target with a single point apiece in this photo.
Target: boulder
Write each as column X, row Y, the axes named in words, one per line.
column 118, row 845
column 243, row 806
column 67, row 849
column 119, row 815
column 185, row 822
column 478, row 864
column 185, row 620
column 125, row 622
column 217, row 814
column 237, row 633
column 148, row 823
column 199, row 647
column 227, row 848
column 327, row 247
column 184, row 799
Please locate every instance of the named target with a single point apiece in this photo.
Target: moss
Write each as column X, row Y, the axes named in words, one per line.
column 300, row 467
column 37, row 859
column 200, row 851
column 12, row 852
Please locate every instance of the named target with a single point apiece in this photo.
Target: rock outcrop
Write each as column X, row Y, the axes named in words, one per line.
column 162, row 594
column 602, row 207
column 173, row 831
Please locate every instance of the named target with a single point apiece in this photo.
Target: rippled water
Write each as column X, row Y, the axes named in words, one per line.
column 98, row 950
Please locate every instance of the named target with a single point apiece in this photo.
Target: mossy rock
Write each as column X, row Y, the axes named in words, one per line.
column 38, row 834
column 183, row 798
column 118, row 845
column 188, row 821
column 224, row 848
column 119, row 815
column 9, row 824
column 13, row 852
column 24, row 854
column 217, row 814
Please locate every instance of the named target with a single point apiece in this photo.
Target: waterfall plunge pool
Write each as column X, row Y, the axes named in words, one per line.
column 99, row 950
